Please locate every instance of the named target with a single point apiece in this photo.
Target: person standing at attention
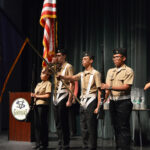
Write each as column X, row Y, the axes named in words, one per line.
column 90, row 102
column 118, row 85
column 41, row 97
column 62, row 100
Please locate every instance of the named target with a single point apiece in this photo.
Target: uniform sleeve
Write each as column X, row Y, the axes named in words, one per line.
column 108, row 77
column 48, row 87
column 78, row 76
column 98, row 79
column 129, row 77
column 36, row 89
column 69, row 71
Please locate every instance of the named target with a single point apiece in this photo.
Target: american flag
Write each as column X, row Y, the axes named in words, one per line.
column 47, row 21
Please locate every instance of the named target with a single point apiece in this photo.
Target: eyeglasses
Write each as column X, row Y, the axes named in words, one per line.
column 58, row 55
column 117, row 57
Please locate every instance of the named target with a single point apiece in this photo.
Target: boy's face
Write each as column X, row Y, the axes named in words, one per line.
column 54, row 60
column 86, row 61
column 118, row 60
column 60, row 58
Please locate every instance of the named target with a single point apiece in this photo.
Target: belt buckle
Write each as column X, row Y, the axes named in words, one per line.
column 83, row 103
column 55, row 101
column 115, row 98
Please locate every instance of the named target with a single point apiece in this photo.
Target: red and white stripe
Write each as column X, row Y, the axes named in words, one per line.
column 47, row 20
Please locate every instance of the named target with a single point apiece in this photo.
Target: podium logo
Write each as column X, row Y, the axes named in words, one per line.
column 20, row 108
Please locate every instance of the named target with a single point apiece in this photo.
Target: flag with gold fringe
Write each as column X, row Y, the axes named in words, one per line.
column 47, row 21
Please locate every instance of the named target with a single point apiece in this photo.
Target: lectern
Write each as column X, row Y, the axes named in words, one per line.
column 18, row 130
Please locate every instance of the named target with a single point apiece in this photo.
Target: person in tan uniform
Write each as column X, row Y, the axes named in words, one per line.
column 62, row 100
column 118, row 87
column 41, row 97
column 147, row 86
column 90, row 102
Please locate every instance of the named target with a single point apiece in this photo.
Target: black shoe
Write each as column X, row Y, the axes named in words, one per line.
column 43, row 147
column 66, row 147
column 35, row 146
column 84, row 148
column 59, row 148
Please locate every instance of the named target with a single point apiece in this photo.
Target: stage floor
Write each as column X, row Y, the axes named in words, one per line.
column 75, row 144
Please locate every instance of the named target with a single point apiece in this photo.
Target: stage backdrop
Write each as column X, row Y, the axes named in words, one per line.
column 97, row 26
column 102, row 25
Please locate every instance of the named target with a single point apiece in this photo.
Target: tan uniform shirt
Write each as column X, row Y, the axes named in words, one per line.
column 96, row 82
column 43, row 87
column 118, row 77
column 68, row 72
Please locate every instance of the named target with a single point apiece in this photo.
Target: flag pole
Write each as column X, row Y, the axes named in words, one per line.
column 53, row 70
column 55, row 45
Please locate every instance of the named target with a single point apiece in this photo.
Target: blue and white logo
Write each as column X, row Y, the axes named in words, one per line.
column 20, row 108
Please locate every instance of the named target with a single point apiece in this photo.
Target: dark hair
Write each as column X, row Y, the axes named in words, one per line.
column 47, row 70
column 91, row 57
